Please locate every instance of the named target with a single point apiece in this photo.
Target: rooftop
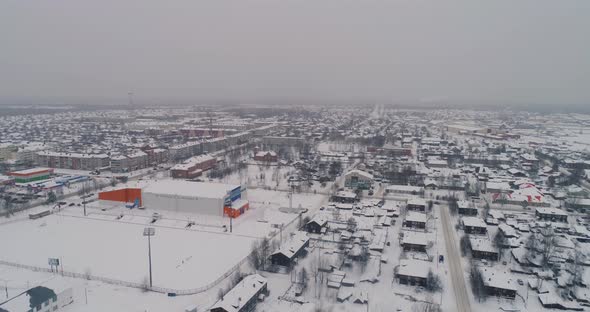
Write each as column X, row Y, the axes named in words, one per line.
column 189, row 189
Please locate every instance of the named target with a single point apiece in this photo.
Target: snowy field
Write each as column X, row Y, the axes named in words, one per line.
column 93, row 296
column 182, row 259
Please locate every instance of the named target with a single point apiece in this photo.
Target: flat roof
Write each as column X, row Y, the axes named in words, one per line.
column 30, row 171
column 414, row 268
column 473, row 222
column 414, row 216
column 415, row 238
column 551, row 211
column 189, row 189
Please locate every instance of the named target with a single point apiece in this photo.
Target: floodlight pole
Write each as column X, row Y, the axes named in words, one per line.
column 149, row 232
column 150, row 257
column 84, row 196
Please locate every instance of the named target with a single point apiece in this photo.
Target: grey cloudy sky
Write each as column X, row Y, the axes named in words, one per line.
column 495, row 51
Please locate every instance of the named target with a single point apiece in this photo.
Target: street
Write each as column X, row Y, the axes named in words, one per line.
column 454, row 260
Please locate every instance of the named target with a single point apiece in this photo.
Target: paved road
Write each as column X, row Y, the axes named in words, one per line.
column 454, row 260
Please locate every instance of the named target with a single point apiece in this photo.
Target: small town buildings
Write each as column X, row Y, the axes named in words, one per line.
column 498, row 283
column 507, row 230
column 415, row 220
column 130, row 162
column 75, row 161
column 290, row 250
column 48, row 297
column 31, row 175
column 551, row 214
column 193, row 167
column 414, row 241
column 358, row 179
column 466, row 208
column 404, row 189
column 345, row 197
column 416, row 204
column 412, row 272
column 317, row 224
column 482, row 248
column 266, row 156
column 243, row 297
column 474, row 225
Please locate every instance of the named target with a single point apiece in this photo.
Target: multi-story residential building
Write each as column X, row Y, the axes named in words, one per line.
column 74, row 161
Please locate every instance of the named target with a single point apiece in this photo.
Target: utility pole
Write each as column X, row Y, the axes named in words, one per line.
column 230, row 223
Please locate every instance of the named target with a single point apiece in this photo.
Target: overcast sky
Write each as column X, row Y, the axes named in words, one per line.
column 389, row 51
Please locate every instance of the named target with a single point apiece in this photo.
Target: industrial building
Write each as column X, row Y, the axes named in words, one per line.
column 31, row 175
column 185, row 196
column 196, row 197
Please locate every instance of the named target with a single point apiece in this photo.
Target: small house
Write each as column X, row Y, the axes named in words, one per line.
column 415, row 220
column 243, row 297
column 551, row 214
column 416, row 204
column 412, row 272
column 290, row 250
column 474, row 225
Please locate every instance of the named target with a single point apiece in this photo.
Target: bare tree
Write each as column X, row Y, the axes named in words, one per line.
column 433, row 282
column 465, row 245
column 500, row 242
column 259, row 253
column 477, row 283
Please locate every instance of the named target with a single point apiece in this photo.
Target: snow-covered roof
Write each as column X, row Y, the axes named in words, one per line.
column 357, row 172
column 31, row 171
column 473, row 222
column 241, row 294
column 414, row 268
column 346, row 194
column 189, row 189
column 481, row 244
column 550, row 211
column 414, row 216
column 193, row 161
column 294, row 244
column 320, row 219
column 417, row 202
column 404, row 188
column 264, row 153
column 415, row 238
column 497, row 279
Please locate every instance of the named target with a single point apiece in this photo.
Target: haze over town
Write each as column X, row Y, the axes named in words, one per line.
column 296, row 156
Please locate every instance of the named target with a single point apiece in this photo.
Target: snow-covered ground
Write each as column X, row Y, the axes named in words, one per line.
column 182, row 259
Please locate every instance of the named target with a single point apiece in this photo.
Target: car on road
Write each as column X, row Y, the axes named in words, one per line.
column 520, row 282
column 441, row 259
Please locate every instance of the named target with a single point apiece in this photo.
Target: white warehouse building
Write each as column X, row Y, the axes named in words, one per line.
column 196, row 197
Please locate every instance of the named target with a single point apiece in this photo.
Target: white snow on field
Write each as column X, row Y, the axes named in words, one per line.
column 182, row 259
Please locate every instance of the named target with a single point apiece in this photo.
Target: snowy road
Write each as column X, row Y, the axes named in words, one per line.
column 454, row 260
